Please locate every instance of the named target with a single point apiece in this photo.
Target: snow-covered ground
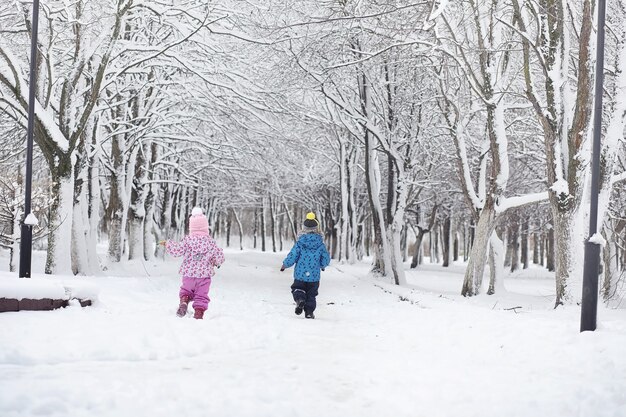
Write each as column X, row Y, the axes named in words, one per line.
column 373, row 350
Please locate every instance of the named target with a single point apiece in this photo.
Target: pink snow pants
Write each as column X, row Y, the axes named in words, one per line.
column 197, row 289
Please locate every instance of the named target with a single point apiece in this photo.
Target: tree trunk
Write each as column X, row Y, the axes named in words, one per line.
column 360, row 241
column 281, row 228
column 18, row 215
column 496, row 264
column 476, row 265
column 536, row 239
column 404, row 237
column 80, row 221
column 419, row 237
column 508, row 255
column 382, row 255
column 137, row 207
column 431, row 236
column 229, row 223
column 446, row 241
column 354, row 241
column 294, row 234
column 148, row 229
column 240, row 228
column 58, row 259
column 16, row 227
column 115, row 209
column 436, row 237
column 181, row 210
column 550, row 250
column 524, row 248
column 455, row 255
column 394, row 229
column 344, row 185
column 514, row 245
column 565, row 279
column 565, row 131
column 256, row 227
column 542, row 248
column 367, row 228
column 472, row 235
column 465, row 242
column 263, row 226
column 272, row 223
column 331, row 233
column 166, row 217
column 610, row 257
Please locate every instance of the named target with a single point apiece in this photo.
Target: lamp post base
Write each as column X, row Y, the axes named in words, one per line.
column 26, row 250
column 589, row 304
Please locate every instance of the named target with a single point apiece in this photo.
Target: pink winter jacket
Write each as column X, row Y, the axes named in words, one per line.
column 200, row 254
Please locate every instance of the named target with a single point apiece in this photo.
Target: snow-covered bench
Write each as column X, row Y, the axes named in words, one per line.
column 18, row 294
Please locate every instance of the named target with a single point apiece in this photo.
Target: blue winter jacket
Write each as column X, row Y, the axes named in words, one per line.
column 310, row 255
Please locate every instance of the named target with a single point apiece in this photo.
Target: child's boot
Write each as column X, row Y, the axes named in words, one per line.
column 309, row 315
column 182, row 307
column 299, row 306
column 198, row 313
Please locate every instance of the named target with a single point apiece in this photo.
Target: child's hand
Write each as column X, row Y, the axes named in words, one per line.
column 282, row 268
column 162, row 242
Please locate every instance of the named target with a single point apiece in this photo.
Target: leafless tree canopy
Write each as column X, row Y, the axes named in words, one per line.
column 438, row 130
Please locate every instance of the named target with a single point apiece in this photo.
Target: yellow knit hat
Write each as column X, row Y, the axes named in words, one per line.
column 311, row 221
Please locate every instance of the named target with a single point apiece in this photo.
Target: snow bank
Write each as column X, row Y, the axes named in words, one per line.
column 37, row 288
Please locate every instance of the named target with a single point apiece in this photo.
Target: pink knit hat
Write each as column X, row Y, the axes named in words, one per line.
column 198, row 224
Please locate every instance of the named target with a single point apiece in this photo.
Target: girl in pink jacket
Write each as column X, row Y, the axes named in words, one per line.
column 200, row 254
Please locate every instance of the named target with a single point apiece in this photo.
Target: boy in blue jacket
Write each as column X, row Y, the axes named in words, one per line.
column 310, row 256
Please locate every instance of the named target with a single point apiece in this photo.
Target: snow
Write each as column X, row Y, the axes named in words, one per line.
column 560, row 186
column 597, row 239
column 31, row 220
column 13, row 287
column 375, row 349
column 437, row 12
column 506, row 203
column 46, row 117
column 57, row 287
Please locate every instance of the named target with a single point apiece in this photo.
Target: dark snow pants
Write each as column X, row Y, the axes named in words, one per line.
column 307, row 291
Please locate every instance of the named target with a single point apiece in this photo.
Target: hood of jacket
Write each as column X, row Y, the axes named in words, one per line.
column 311, row 241
column 199, row 244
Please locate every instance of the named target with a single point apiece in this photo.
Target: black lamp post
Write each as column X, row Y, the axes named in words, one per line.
column 26, row 242
column 589, row 302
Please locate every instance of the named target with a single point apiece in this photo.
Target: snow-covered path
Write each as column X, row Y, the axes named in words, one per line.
column 368, row 353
